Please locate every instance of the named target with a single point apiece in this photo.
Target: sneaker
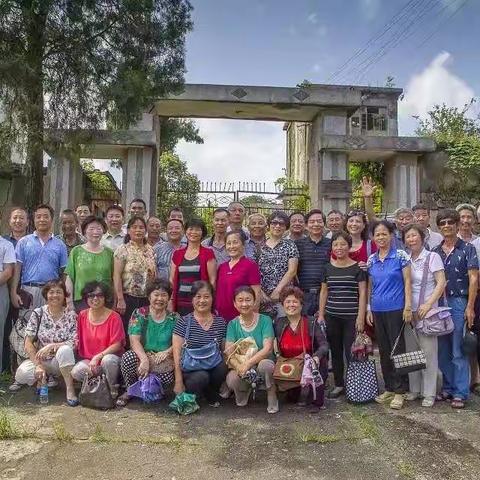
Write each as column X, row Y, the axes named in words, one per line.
column 411, row 396
column 335, row 392
column 385, row 397
column 428, row 402
column 52, row 382
column 15, row 386
column 397, row 402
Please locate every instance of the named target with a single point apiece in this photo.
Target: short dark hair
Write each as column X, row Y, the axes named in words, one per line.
column 413, row 226
column 134, row 219
column 315, row 211
column 240, row 233
column 69, row 211
column 175, row 209
column 90, row 287
column 291, row 290
column 384, row 223
column 221, row 209
column 281, row 215
column 14, row 209
column 93, row 219
column 345, row 235
column 159, row 284
column 199, row 285
column 83, row 204
column 52, row 284
column 139, row 200
column 296, row 213
column 174, row 220
column 336, row 212
column 236, row 202
column 45, row 206
column 447, row 213
column 196, row 222
column 420, row 206
column 115, row 207
column 244, row 289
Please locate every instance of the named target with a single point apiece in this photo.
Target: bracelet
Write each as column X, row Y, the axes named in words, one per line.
column 369, row 309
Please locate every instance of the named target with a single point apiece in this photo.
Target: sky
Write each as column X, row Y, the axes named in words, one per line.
column 430, row 47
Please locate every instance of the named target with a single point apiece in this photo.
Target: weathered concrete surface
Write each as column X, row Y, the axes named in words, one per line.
column 141, row 442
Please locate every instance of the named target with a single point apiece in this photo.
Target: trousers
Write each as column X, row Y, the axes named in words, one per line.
column 110, row 366
column 206, row 382
column 129, row 369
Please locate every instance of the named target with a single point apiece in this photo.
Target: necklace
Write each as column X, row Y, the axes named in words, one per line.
column 251, row 325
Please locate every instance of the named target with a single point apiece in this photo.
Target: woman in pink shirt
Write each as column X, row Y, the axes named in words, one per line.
column 101, row 337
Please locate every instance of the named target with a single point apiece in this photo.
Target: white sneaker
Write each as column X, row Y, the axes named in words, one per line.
column 428, row 402
column 411, row 396
column 15, row 386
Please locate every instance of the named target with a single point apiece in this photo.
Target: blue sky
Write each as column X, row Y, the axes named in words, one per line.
column 431, row 49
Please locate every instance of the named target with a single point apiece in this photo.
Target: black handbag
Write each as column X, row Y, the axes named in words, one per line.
column 95, row 393
column 470, row 342
column 410, row 361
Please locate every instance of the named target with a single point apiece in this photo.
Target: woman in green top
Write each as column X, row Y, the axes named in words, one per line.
column 150, row 331
column 87, row 263
column 259, row 327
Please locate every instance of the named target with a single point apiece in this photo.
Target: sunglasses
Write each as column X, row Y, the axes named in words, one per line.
column 277, row 223
column 443, row 223
column 95, row 295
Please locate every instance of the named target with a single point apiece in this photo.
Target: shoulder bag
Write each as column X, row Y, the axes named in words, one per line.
column 17, row 335
column 242, row 350
column 410, row 361
column 95, row 393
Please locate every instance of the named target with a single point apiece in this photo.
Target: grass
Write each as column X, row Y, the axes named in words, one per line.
column 407, row 469
column 6, row 377
column 8, row 429
column 366, row 425
column 99, row 435
column 61, row 434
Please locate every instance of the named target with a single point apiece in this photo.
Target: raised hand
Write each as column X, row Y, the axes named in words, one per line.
column 368, row 187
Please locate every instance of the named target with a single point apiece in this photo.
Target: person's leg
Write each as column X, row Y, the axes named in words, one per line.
column 310, row 303
column 80, row 370
column 348, row 334
column 394, row 325
column 217, row 377
column 445, row 345
column 111, row 367
column 240, row 388
column 265, row 370
column 196, row 382
column 129, row 367
column 384, row 348
column 65, row 360
column 415, row 379
column 335, row 340
column 4, row 304
column 429, row 344
column 8, row 360
column 25, row 374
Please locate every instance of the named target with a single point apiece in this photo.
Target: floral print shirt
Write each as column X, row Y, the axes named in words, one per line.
column 139, row 269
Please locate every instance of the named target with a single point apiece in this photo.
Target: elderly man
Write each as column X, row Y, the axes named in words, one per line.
column 335, row 222
column 297, row 226
column 114, row 236
column 421, row 215
column 236, row 216
column 69, row 230
column 82, row 211
column 164, row 250
column 217, row 241
column 18, row 223
column 154, row 228
column 467, row 214
column 257, row 229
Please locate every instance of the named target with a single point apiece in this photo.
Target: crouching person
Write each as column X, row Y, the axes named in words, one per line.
column 49, row 342
column 150, row 331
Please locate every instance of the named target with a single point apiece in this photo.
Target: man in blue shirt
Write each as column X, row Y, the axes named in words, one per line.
column 461, row 270
column 18, row 223
column 41, row 257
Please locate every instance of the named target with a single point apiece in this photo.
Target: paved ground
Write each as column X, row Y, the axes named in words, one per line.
column 142, row 442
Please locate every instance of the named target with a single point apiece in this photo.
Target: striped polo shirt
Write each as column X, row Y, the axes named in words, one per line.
column 313, row 258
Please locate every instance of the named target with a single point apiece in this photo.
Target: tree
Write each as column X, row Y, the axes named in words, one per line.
column 71, row 64
column 176, row 186
column 175, row 129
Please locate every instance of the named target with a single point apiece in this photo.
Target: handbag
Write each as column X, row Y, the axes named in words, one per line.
column 242, row 350
column 361, row 383
column 149, row 389
column 201, row 358
column 95, row 393
column 470, row 342
column 160, row 366
column 17, row 335
column 438, row 320
column 410, row 361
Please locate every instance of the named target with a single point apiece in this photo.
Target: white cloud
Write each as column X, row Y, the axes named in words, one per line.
column 370, row 8
column 312, row 18
column 436, row 84
column 236, row 150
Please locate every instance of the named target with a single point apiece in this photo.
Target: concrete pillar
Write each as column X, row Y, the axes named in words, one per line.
column 402, row 182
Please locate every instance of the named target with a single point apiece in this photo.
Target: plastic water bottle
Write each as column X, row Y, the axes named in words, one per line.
column 43, row 394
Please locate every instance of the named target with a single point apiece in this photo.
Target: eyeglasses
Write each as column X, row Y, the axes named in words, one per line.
column 443, row 223
column 277, row 223
column 95, row 295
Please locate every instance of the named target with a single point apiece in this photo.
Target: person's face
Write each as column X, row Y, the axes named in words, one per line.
column 159, row 299
column 137, row 209
column 335, row 222
column 18, row 221
column 137, row 231
column 176, row 215
column 94, row 232
column 55, row 297
column 297, row 224
column 82, row 211
column 220, row 222
column 245, row 303
column 355, row 225
column 234, row 246
column 413, row 240
column 114, row 220
column 154, row 227
column 236, row 213
column 257, row 227
column 340, row 248
column 43, row 220
column 315, row 224
column 202, row 301
column 278, row 227
column 68, row 224
column 382, row 237
column 402, row 220
column 174, row 231
column 194, row 234
column 422, row 217
column 466, row 219
column 292, row 306
column 96, row 299
column 448, row 227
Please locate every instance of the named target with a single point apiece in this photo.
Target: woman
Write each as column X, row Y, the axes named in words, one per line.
column 133, row 268
column 196, row 330
column 424, row 382
column 191, row 264
column 390, row 305
column 238, row 271
column 296, row 334
column 150, row 332
column 343, row 304
column 49, row 341
column 251, row 324
column 278, row 262
column 101, row 337
column 88, row 262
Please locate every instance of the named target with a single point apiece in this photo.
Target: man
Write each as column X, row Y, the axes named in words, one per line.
column 69, row 228
column 236, row 216
column 18, row 223
column 257, row 229
column 137, row 208
column 164, row 250
column 154, row 228
column 461, row 270
column 335, row 222
column 467, row 221
column 176, row 214
column 82, row 211
column 217, row 241
column 297, row 226
column 114, row 236
column 41, row 257
column 314, row 254
column 7, row 264
column 421, row 216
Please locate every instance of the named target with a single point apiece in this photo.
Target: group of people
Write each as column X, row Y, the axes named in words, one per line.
column 128, row 301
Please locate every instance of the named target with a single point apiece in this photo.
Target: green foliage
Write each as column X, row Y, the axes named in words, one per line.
column 374, row 170
column 296, row 194
column 175, row 129
column 176, row 186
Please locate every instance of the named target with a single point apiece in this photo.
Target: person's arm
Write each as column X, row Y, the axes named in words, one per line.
column 113, row 348
column 265, row 352
column 173, row 270
column 69, row 287
column 6, row 274
column 286, row 279
column 322, row 301
column 440, row 284
column 14, row 297
column 118, row 266
column 472, row 295
column 407, row 285
column 362, row 306
column 369, row 296
column 212, row 272
column 258, row 295
column 137, row 347
column 177, row 345
column 368, row 190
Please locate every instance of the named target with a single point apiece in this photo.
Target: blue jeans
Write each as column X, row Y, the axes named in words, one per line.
column 453, row 364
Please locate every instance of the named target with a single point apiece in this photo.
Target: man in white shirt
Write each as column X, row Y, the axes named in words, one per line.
column 114, row 236
column 421, row 215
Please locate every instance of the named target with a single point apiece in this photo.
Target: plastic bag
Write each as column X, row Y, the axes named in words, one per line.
column 149, row 389
column 185, row 403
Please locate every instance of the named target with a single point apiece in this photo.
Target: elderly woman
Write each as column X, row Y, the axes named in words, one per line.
column 134, row 267
column 88, row 262
column 49, row 342
column 424, row 382
column 101, row 338
column 278, row 262
column 297, row 334
column 390, row 305
column 238, row 271
column 150, row 332
column 191, row 264
column 200, row 330
column 251, row 324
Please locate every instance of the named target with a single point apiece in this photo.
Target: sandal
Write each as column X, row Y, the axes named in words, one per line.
column 458, row 403
column 122, row 400
column 73, row 402
column 443, row 397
